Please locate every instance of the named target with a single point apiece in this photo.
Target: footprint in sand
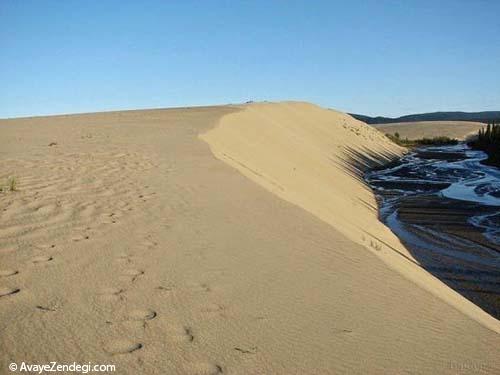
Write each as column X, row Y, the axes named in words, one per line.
column 131, row 274
column 46, row 308
column 7, row 291
column 45, row 247
column 115, row 215
column 80, row 237
column 41, row 259
column 251, row 350
column 122, row 346
column 203, row 368
column 166, row 288
column 141, row 314
column 7, row 273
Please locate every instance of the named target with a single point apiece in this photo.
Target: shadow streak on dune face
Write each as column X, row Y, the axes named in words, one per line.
column 356, row 164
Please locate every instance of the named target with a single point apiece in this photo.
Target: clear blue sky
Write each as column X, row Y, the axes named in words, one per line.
column 371, row 57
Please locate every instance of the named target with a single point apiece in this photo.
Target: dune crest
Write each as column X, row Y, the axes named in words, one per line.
column 314, row 158
column 309, row 156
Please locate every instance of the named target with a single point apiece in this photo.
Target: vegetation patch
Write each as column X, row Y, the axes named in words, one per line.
column 436, row 141
column 488, row 140
column 9, row 185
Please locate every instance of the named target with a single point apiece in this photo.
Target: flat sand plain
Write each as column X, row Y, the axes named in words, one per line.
column 415, row 130
column 217, row 240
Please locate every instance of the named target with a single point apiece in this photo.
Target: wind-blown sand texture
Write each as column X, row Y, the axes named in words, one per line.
column 429, row 129
column 216, row 240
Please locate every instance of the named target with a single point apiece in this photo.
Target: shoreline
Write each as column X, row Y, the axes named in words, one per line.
column 440, row 234
column 458, row 247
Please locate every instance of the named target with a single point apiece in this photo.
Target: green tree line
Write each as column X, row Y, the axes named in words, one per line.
column 488, row 140
column 436, row 141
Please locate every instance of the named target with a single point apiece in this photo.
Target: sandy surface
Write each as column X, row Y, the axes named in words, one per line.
column 415, row 130
column 234, row 240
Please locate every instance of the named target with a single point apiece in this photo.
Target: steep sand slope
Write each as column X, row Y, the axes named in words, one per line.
column 414, row 130
column 131, row 244
column 309, row 156
column 314, row 158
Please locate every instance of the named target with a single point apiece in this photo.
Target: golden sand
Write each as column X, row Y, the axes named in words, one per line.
column 232, row 239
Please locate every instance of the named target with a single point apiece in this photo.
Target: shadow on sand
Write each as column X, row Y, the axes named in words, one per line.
column 459, row 267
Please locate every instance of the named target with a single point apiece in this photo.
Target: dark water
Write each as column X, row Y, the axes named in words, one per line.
column 445, row 206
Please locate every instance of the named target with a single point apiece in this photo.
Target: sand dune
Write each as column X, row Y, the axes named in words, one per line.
column 415, row 130
column 232, row 239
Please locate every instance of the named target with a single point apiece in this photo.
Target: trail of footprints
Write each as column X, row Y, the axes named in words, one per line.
column 131, row 274
column 176, row 333
column 142, row 316
column 8, row 273
column 145, row 316
column 66, row 195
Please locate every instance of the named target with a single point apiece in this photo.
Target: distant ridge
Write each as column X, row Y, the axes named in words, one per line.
column 485, row 117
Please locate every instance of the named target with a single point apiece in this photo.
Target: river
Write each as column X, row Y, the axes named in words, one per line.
column 445, row 206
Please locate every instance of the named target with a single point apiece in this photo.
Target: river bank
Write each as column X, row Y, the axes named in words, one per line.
column 444, row 205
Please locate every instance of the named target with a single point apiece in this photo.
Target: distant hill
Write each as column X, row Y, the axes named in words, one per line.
column 459, row 130
column 485, row 117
